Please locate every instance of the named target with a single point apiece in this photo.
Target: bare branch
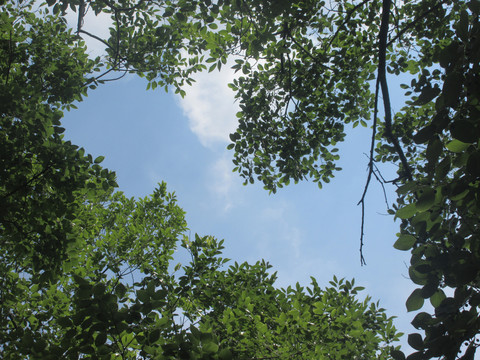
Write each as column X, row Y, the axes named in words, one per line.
column 81, row 14
column 96, row 38
column 370, row 172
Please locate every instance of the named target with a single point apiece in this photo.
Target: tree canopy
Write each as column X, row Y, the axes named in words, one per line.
column 308, row 72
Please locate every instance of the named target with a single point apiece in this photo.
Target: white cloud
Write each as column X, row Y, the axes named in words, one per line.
column 293, row 236
column 222, row 182
column 210, row 108
column 280, row 216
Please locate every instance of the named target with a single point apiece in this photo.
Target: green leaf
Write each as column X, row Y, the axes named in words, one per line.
column 462, row 26
column 225, row 354
column 428, row 94
column 422, row 320
column 210, row 347
column 426, row 200
column 99, row 289
column 457, row 146
column 415, row 300
column 424, row 135
column 153, row 336
column 434, row 150
column 406, row 212
column 474, row 6
column 101, row 339
column 120, row 290
column 99, row 159
column 405, row 242
column 397, row 355
column 462, row 131
column 168, row 12
column 473, row 164
column 437, row 298
column 415, row 341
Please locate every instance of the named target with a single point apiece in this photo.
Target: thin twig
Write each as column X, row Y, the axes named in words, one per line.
column 383, row 187
column 370, row 171
column 382, row 181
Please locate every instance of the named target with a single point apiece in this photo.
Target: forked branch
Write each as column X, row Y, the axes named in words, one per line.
column 382, row 83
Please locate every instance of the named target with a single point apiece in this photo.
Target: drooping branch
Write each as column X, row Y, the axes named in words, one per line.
column 382, row 78
column 383, row 85
column 370, row 172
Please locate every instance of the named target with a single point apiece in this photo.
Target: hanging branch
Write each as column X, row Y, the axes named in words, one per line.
column 81, row 14
column 382, row 84
column 370, row 171
column 382, row 78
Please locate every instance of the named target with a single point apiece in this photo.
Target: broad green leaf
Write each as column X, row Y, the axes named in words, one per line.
column 415, row 341
column 406, row 211
column 210, row 347
column 225, row 354
column 457, row 146
column 462, row 131
column 426, row 200
column 404, row 242
column 100, row 339
column 99, row 159
column 415, row 300
column 397, row 355
column 437, row 298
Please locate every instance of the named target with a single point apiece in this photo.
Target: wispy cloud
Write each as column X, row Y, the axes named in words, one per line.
column 223, row 184
column 288, row 233
column 210, row 108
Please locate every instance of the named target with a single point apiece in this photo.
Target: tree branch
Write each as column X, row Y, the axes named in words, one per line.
column 382, row 78
column 81, row 14
column 370, row 171
column 96, row 38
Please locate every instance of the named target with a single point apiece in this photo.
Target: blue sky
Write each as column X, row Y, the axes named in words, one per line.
column 152, row 136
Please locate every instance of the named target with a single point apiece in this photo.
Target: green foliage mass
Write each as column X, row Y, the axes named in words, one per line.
column 87, row 273
column 120, row 297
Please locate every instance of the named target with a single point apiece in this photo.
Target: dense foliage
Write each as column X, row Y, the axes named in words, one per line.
column 120, row 297
column 86, row 272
